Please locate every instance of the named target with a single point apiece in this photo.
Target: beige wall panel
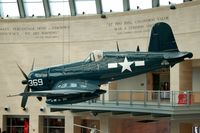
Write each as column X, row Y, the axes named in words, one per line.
column 130, row 125
column 196, row 63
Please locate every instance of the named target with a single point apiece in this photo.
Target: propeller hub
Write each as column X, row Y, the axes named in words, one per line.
column 24, row 82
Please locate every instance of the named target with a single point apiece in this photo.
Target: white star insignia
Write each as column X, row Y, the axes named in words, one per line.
column 126, row 65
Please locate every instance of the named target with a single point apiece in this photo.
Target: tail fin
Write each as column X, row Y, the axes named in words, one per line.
column 162, row 38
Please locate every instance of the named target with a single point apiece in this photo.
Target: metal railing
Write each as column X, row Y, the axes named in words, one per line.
column 144, row 101
column 148, row 97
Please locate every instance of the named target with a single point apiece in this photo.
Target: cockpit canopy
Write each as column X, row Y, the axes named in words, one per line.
column 95, row 56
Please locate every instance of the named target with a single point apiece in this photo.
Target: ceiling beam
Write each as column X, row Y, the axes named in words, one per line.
column 140, row 113
column 126, row 5
column 120, row 113
column 155, row 3
column 72, row 6
column 99, row 7
column 47, row 9
column 20, row 4
column 161, row 115
column 186, row 0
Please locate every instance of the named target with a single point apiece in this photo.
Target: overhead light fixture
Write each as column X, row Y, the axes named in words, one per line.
column 172, row 6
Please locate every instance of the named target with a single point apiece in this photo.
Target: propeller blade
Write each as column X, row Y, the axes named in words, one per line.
column 25, row 98
column 33, row 64
column 24, row 74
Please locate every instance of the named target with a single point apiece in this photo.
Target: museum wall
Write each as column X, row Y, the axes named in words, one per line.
column 59, row 40
column 122, row 125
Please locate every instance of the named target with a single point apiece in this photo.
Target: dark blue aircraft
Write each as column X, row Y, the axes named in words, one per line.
column 81, row 81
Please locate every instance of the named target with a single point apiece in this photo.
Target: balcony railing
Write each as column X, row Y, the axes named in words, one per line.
column 144, row 101
column 145, row 97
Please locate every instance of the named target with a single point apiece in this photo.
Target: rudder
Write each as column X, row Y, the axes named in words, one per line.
column 162, row 38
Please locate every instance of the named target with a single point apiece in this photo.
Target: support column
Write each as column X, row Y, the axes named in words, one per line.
column 69, row 123
column 33, row 128
column 174, row 78
column 174, row 126
column 185, row 77
column 104, row 124
column 174, row 84
column 41, row 124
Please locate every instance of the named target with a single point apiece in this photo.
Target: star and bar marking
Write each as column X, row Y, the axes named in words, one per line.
column 126, row 65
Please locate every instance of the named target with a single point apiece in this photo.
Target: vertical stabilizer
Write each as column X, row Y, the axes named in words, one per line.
column 162, row 38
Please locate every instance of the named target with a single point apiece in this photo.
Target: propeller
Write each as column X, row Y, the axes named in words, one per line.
column 27, row 88
column 39, row 98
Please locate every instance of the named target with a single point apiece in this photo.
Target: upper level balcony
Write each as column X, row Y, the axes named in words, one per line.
column 140, row 102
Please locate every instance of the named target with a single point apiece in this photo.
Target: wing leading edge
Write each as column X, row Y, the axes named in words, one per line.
column 67, row 87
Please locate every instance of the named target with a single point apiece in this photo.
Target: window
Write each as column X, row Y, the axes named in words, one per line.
column 54, row 125
column 17, row 124
column 112, row 5
column 34, row 8
column 98, row 55
column 59, row 7
column 64, row 85
column 86, row 7
column 137, row 4
column 9, row 8
column 73, row 85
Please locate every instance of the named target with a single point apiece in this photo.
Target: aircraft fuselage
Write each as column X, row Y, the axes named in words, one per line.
column 112, row 66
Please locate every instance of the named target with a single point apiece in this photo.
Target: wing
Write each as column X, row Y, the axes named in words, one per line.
column 67, row 87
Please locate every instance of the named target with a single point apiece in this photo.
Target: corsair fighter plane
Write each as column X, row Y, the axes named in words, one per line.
column 81, row 81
